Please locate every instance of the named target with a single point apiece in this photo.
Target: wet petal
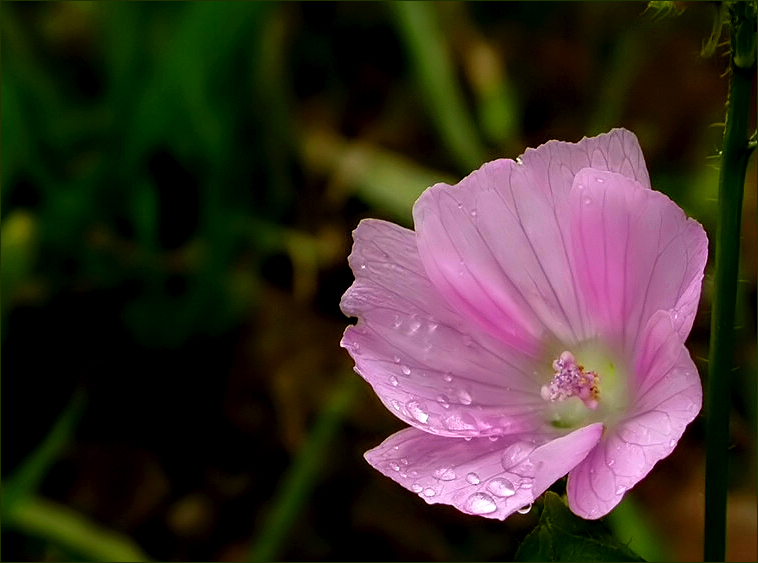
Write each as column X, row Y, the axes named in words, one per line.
column 668, row 398
column 555, row 163
column 479, row 476
column 493, row 247
column 634, row 252
column 429, row 365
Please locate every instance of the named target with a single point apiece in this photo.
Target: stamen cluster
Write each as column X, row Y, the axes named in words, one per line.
column 571, row 380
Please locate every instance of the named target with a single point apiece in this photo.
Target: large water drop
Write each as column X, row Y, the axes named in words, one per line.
column 481, row 503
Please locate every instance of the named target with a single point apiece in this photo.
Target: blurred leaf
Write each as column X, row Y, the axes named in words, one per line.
column 383, row 179
column 435, row 77
column 18, row 248
column 303, row 474
column 67, row 528
column 27, row 478
column 562, row 536
column 628, row 521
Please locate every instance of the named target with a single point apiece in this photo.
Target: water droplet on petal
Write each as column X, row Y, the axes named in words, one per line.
column 599, row 180
column 473, row 212
column 443, row 401
column 416, row 488
column 580, row 187
column 445, row 474
column 403, row 461
column 418, row 411
column 672, row 443
column 610, row 462
column 587, row 200
column 394, row 466
column 464, row 397
column 501, row 487
column 405, row 369
column 396, row 359
column 481, row 503
column 413, row 327
column 429, row 493
column 472, row 478
column 393, row 381
column 525, row 509
column 448, row 377
column 493, row 438
column 620, row 490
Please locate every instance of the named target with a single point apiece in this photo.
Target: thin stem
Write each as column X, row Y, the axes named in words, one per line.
column 731, row 186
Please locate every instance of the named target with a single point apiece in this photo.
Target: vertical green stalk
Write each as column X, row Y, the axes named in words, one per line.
column 734, row 159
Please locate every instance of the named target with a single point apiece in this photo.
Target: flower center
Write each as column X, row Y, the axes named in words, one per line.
column 571, row 380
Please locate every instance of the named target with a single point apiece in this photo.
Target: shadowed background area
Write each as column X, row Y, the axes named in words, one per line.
column 179, row 184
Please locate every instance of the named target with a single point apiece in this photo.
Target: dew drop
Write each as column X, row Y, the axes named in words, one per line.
column 611, row 462
column 393, row 381
column 468, row 341
column 472, row 478
column 396, row 322
column 620, row 490
column 403, row 461
column 481, row 503
column 525, row 509
column 473, row 212
column 445, row 474
column 429, row 493
column 432, row 327
column 672, row 443
column 405, row 369
column 443, row 401
column 493, row 438
column 413, row 328
column 396, row 359
column 580, row 187
column 448, row 377
column 464, row 397
column 394, row 466
column 587, row 200
column 418, row 411
column 501, row 487
column 599, row 180
column 416, row 488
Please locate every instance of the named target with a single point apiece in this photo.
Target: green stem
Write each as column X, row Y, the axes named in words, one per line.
column 736, row 151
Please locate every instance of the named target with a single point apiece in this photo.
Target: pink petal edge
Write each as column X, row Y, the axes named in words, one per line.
column 428, row 364
column 486, row 478
column 668, row 399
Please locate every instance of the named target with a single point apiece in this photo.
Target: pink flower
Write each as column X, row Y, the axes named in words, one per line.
column 533, row 325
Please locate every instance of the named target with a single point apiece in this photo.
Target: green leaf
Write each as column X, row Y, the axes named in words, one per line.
column 562, row 536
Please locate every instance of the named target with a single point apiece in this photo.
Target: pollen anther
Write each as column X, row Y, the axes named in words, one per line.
column 571, row 380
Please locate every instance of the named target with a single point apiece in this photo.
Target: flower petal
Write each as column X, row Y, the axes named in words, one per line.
column 479, row 476
column 495, row 244
column 668, row 398
column 429, row 365
column 555, row 163
column 493, row 247
column 634, row 252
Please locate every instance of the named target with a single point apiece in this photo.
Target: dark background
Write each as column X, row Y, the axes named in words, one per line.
column 179, row 184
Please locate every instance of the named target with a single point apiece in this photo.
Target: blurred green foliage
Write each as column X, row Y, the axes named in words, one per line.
column 179, row 183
